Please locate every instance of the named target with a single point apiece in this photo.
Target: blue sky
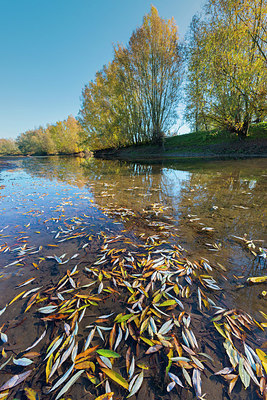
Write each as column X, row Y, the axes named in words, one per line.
column 51, row 48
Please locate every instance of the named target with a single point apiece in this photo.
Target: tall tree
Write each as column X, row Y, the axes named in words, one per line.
column 230, row 64
column 134, row 99
column 152, row 63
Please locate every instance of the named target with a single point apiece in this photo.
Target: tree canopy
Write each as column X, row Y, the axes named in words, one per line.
column 227, row 66
column 134, row 99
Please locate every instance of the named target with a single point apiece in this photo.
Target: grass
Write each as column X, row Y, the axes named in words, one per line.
column 214, row 143
column 201, row 138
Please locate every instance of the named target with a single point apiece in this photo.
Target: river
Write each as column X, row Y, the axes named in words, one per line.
column 211, row 210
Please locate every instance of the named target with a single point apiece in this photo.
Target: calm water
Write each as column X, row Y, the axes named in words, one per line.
column 178, row 201
column 64, row 207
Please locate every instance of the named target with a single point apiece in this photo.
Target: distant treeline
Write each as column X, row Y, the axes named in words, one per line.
column 59, row 138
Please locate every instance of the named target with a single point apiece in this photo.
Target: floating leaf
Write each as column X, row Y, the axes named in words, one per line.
column 196, row 378
column 31, row 394
column 137, row 384
column 15, row 380
column 175, row 379
column 37, row 341
column 245, row 378
column 116, row 377
column 154, row 349
column 4, row 337
column 47, row 309
column 106, row 396
column 170, row 386
column 263, row 357
column 62, row 379
column 70, row 383
column 257, row 279
column 22, row 361
column 107, row 353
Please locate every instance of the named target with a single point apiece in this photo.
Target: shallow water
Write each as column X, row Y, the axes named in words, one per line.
column 174, row 198
column 200, row 206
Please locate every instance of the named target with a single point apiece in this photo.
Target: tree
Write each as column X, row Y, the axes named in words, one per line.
column 8, row 147
column 59, row 138
column 134, row 99
column 229, row 65
column 65, row 136
column 36, row 141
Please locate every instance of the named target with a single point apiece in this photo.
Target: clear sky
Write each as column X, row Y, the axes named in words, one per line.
column 51, row 48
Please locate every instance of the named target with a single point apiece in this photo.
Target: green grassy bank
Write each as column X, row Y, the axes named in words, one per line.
column 205, row 144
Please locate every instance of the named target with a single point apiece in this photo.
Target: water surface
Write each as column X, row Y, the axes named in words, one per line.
column 63, row 207
column 179, row 199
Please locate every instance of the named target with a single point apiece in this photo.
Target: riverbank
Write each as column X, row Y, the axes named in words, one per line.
column 213, row 144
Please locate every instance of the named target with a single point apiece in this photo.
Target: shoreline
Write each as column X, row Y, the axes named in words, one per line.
column 191, row 146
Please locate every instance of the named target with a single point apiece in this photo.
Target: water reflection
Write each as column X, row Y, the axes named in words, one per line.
column 180, row 199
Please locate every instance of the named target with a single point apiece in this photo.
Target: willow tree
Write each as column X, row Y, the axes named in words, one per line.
column 228, row 57
column 151, row 63
column 134, row 99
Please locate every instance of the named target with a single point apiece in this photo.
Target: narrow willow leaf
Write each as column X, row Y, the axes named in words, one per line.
column 31, row 394
column 106, row 361
column 187, row 377
column 132, row 367
column 137, row 384
column 118, row 339
column 197, row 382
column 166, row 327
column 181, row 359
column 175, row 379
column 89, row 338
column 170, row 386
column 62, row 379
column 47, row 309
column 55, row 346
column 116, row 377
column 54, row 368
column 107, row 353
column 5, row 363
column 224, row 371
column 37, row 341
column 244, row 376
column 15, row 380
column 4, row 337
column 263, row 357
column 48, row 367
column 154, row 349
column 232, row 384
column 70, row 383
column 3, row 310
column 22, row 361
column 67, row 353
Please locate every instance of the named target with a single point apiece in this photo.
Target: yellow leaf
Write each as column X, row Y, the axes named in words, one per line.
column 31, row 394
column 263, row 357
column 106, row 396
column 17, row 297
column 48, row 367
column 116, row 377
column 85, row 365
column 4, row 395
column 257, row 279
